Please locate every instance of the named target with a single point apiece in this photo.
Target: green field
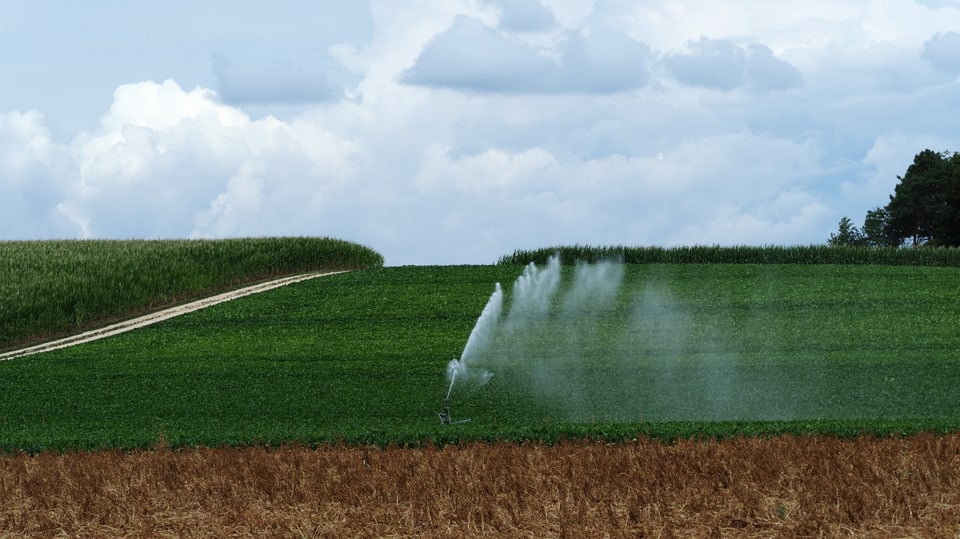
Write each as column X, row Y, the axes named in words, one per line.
column 50, row 288
column 685, row 349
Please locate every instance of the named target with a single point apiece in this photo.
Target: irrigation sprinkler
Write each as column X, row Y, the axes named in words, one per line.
column 445, row 418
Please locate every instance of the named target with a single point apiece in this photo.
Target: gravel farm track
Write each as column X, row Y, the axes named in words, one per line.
column 778, row 486
column 159, row 316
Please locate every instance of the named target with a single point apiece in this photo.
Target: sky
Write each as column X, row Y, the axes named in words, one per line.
column 456, row 132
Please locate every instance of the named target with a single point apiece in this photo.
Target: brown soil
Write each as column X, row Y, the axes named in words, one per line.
column 775, row 487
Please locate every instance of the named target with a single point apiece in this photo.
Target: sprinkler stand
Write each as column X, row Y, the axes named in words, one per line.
column 445, row 418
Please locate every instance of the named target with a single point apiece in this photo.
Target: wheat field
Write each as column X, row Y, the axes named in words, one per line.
column 744, row 487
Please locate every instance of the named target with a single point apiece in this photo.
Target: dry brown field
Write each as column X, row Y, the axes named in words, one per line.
column 785, row 486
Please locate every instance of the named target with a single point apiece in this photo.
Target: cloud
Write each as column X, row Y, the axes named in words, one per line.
column 943, row 51
column 167, row 162
column 24, row 143
column 735, row 188
column 785, row 220
column 720, row 64
column 242, row 200
column 493, row 170
column 601, row 63
column 765, row 72
column 273, row 84
column 553, row 130
column 33, row 173
column 525, row 16
column 709, row 63
column 472, row 56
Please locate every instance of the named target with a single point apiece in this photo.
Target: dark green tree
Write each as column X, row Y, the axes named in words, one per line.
column 925, row 206
column 876, row 229
column 848, row 235
column 951, row 220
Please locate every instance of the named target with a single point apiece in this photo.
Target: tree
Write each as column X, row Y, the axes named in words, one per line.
column 876, row 229
column 847, row 234
column 925, row 206
column 950, row 233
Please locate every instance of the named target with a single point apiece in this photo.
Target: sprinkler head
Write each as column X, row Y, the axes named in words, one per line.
column 445, row 414
column 446, row 419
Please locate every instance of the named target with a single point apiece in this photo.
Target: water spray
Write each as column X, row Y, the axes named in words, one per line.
column 445, row 418
column 553, row 326
column 479, row 338
column 453, row 378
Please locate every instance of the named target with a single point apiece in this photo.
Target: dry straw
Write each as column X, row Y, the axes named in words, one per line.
column 743, row 487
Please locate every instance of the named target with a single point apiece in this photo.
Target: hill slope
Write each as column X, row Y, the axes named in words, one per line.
column 51, row 288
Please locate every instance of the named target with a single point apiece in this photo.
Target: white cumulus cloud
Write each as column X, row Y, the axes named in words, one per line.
column 473, row 56
column 459, row 131
column 723, row 65
column 167, row 162
column 943, row 51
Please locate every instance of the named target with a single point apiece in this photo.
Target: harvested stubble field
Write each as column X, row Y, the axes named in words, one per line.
column 786, row 486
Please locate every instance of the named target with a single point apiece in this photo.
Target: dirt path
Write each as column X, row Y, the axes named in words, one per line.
column 159, row 316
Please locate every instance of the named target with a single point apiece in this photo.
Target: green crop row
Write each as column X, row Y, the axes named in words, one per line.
column 715, row 254
column 51, row 287
column 683, row 351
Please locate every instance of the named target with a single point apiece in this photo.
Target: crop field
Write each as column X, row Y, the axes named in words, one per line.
column 361, row 357
column 811, row 486
column 674, row 399
column 49, row 288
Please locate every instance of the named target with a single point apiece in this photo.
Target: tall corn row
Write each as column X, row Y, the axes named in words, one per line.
column 49, row 287
column 741, row 254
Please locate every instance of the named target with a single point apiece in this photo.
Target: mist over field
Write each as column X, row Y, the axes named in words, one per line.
column 583, row 345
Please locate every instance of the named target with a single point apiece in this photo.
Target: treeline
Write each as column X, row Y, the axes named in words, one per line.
column 706, row 254
column 53, row 287
column 923, row 210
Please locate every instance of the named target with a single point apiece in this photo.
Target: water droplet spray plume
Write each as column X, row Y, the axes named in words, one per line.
column 453, row 378
column 533, row 291
column 588, row 349
column 481, row 334
column 498, row 340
